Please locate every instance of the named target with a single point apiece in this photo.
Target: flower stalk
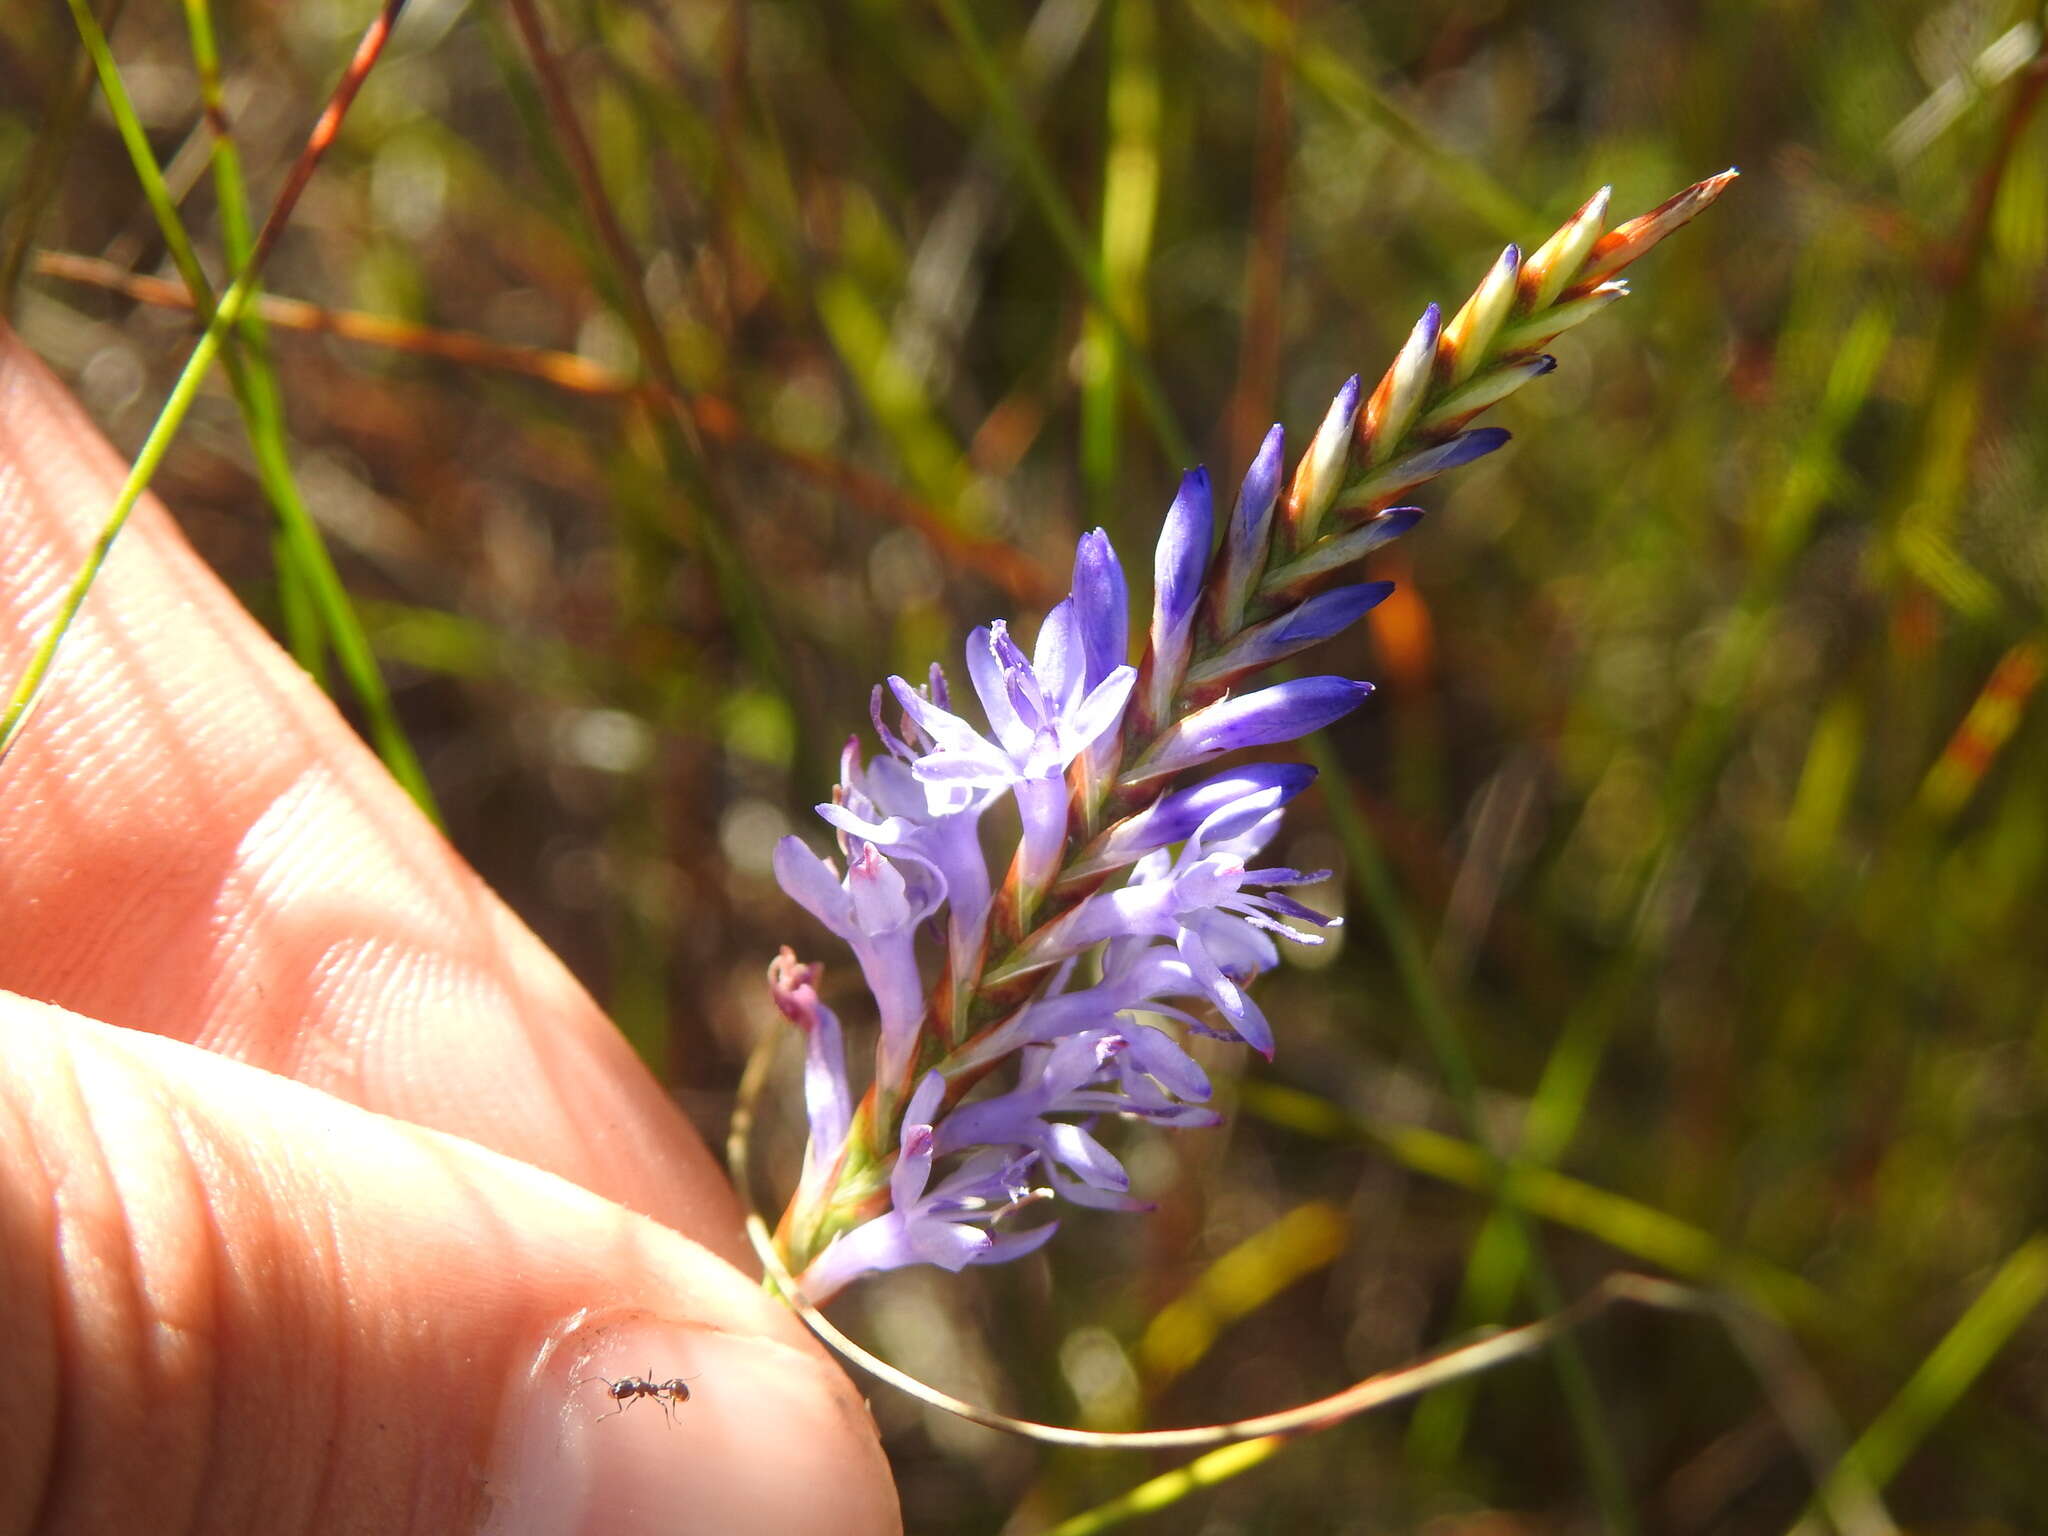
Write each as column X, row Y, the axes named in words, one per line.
column 1132, row 897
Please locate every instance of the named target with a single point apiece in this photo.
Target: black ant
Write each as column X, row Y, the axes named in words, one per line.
column 628, row 1390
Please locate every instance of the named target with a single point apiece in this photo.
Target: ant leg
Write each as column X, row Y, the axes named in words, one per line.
column 611, row 1389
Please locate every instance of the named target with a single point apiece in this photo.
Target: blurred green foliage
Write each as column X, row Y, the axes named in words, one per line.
column 1704, row 789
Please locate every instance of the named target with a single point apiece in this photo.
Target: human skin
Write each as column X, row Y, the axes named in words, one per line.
column 326, row 1194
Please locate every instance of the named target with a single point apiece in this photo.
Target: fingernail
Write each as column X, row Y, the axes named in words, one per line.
column 759, row 1437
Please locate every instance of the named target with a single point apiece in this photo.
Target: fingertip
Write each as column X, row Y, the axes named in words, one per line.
column 595, row 1437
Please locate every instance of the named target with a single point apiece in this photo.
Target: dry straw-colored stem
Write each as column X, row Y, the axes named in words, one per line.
column 1787, row 1378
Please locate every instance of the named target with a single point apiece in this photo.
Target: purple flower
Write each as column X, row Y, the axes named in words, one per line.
column 1322, row 616
column 883, row 803
column 1102, row 604
column 1088, row 1074
column 877, row 912
column 1251, row 528
column 1042, row 714
column 1254, row 789
column 1283, row 712
column 1133, row 899
column 1101, row 600
column 1203, row 902
column 944, row 1224
column 1138, row 975
column 1177, row 566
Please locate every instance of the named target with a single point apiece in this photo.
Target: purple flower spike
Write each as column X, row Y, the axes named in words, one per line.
column 1136, row 911
column 1177, row 567
column 1283, row 712
column 1251, row 532
column 1329, row 613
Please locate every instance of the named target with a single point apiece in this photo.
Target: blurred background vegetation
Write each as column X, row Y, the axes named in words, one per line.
column 1695, row 848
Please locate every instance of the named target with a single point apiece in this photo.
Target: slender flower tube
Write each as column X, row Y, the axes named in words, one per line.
column 1405, row 474
column 1544, row 274
column 1471, row 331
column 1101, row 600
column 827, row 1102
column 1388, row 414
column 1250, row 533
column 1177, row 587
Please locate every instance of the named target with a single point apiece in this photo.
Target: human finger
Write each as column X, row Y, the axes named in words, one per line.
column 198, row 845
column 230, row 1301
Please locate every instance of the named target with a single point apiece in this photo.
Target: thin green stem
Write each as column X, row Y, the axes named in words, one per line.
column 2014, row 1293
column 168, row 420
column 312, row 586
column 262, row 406
column 211, row 341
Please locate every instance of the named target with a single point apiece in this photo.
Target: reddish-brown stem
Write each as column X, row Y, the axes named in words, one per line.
column 368, row 51
column 575, row 146
column 1960, row 256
